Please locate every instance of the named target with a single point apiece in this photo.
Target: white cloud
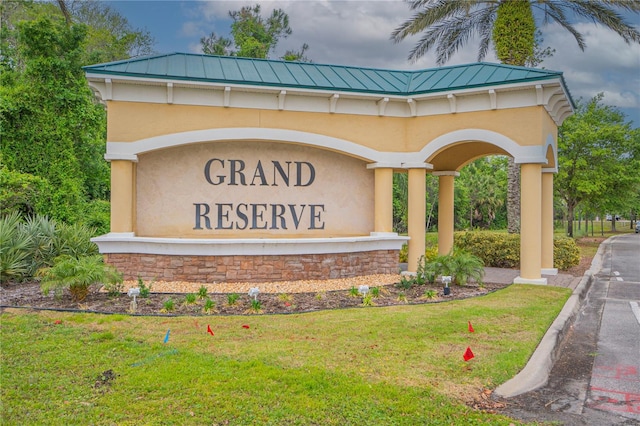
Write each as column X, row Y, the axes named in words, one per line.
column 608, row 65
column 191, row 29
column 357, row 33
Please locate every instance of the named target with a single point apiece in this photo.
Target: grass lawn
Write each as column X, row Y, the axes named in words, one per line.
column 375, row 366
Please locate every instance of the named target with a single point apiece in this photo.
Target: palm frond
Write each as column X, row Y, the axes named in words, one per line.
column 600, row 12
column 432, row 12
column 450, row 35
column 555, row 11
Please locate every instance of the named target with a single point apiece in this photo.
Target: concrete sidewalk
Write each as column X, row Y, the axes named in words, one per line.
column 506, row 276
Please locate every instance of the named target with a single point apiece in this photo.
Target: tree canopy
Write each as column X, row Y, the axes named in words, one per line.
column 253, row 36
column 53, row 130
column 598, row 160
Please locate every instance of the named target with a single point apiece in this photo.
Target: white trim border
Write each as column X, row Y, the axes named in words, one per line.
column 128, row 243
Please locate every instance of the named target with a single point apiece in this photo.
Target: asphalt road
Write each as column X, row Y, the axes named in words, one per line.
column 596, row 380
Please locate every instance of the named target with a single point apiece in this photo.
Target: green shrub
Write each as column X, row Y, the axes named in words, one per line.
column 77, row 275
column 460, row 266
column 467, row 266
column 15, row 246
column 27, row 245
column 75, row 240
column 429, row 253
column 495, row 249
column 502, row 250
column 22, row 193
column 566, row 253
column 43, row 250
column 97, row 216
column 403, row 255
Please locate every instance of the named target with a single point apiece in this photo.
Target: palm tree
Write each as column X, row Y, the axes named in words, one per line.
column 447, row 25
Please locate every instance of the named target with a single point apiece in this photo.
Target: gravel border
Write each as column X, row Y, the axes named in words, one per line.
column 300, row 286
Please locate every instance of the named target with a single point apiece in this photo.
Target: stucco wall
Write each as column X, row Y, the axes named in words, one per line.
column 129, row 121
column 251, row 190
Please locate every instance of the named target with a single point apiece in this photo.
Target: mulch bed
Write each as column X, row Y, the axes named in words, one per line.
column 29, row 295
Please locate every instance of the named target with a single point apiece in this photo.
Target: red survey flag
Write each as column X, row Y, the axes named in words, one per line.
column 468, row 354
column 209, row 330
column 245, row 326
column 471, row 330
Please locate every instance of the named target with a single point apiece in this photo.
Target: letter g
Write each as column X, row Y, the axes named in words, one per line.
column 207, row 171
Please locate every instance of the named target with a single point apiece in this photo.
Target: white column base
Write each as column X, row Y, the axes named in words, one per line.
column 549, row 271
column 539, row 281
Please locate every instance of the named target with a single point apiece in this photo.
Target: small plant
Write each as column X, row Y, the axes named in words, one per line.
column 145, row 290
column 190, row 299
column 321, row 295
column 367, row 300
column 406, row 282
column 421, row 273
column 431, row 294
column 168, row 305
column 402, row 297
column 77, row 275
column 114, row 288
column 481, row 286
column 256, row 306
column 232, row 299
column 353, row 292
column 284, row 297
column 375, row 292
column 427, row 270
column 202, row 292
column 467, row 266
column 209, row 306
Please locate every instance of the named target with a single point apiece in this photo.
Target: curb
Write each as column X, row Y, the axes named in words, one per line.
column 536, row 373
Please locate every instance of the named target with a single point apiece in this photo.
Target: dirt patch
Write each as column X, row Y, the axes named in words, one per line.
column 582, row 267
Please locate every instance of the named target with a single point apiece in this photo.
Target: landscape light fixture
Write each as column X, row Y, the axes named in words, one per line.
column 363, row 290
column 253, row 292
column 133, row 292
column 446, row 280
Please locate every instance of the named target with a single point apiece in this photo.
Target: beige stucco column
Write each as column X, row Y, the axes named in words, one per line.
column 417, row 211
column 547, row 224
column 530, row 225
column 383, row 203
column 122, row 196
column 445, row 211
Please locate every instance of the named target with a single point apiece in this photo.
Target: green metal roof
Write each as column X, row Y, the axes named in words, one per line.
column 261, row 72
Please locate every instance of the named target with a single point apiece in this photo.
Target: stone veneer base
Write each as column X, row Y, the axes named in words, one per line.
column 251, row 260
column 253, row 268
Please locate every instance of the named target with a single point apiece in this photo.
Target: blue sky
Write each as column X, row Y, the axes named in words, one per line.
column 356, row 32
